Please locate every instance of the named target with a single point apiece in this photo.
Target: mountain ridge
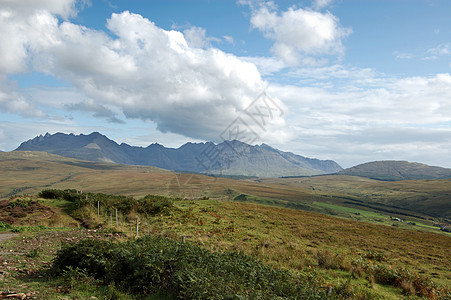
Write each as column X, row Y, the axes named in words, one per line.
column 394, row 170
column 226, row 158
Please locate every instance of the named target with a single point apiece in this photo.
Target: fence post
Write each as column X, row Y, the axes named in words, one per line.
column 116, row 217
column 98, row 208
column 137, row 220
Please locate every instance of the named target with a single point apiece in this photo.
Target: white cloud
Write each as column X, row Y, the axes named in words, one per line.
column 406, row 118
column 62, row 8
column 191, row 89
column 266, row 65
column 401, row 55
column 229, row 39
column 145, row 72
column 320, row 4
column 13, row 102
column 299, row 33
column 196, row 37
column 436, row 52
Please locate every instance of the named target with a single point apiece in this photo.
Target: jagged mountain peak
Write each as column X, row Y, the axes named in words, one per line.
column 228, row 157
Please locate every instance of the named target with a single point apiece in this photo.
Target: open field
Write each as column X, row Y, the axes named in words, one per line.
column 422, row 202
column 353, row 257
column 431, row 197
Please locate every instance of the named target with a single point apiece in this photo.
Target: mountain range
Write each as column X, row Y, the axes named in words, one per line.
column 226, row 158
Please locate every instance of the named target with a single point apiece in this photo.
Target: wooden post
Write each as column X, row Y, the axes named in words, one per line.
column 116, row 217
column 137, row 221
column 98, row 208
column 183, row 239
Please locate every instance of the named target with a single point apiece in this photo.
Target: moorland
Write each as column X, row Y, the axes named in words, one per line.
column 335, row 236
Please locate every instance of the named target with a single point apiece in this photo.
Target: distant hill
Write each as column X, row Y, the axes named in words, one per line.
column 226, row 158
column 392, row 170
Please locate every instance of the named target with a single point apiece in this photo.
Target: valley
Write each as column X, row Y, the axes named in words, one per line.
column 331, row 230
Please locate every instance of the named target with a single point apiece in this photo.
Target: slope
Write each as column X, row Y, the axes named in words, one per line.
column 397, row 170
column 30, row 172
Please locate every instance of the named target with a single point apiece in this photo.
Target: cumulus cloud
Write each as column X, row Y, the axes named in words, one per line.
column 390, row 118
column 398, row 102
column 319, row 4
column 299, row 33
column 25, row 26
column 99, row 111
column 188, row 88
column 12, row 101
column 144, row 71
column 62, row 8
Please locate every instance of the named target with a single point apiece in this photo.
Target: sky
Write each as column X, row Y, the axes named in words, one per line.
column 349, row 80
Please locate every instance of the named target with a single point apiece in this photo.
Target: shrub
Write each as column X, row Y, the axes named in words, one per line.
column 157, row 265
column 19, row 203
column 68, row 194
column 150, row 204
column 88, row 255
column 4, row 226
column 410, row 282
column 328, row 260
column 28, row 228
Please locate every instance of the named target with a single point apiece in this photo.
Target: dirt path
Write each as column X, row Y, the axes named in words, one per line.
column 6, row 236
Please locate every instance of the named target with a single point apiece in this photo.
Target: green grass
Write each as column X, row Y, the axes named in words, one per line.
column 316, row 247
column 30, row 172
column 373, row 217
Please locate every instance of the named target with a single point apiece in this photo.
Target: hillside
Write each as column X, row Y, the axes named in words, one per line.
column 357, row 260
column 30, row 172
column 397, row 170
column 226, row 158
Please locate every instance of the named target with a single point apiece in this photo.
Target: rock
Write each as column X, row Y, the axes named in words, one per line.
column 18, row 296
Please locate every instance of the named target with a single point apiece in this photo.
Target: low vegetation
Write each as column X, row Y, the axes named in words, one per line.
column 232, row 249
column 158, row 265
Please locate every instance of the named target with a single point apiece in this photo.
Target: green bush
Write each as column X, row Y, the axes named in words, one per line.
column 4, row 226
column 410, row 282
column 28, row 228
column 157, row 265
column 19, row 203
column 88, row 255
column 71, row 195
column 150, row 204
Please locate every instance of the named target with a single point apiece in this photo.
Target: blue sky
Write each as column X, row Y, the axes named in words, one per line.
column 353, row 80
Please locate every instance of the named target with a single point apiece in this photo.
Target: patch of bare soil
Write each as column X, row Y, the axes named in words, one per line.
column 23, row 261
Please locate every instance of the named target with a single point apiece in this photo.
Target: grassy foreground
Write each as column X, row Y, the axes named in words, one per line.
column 357, row 260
